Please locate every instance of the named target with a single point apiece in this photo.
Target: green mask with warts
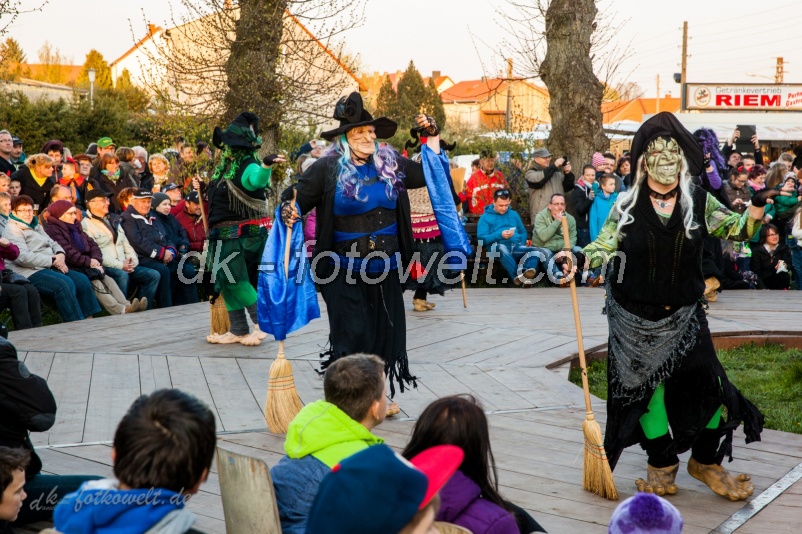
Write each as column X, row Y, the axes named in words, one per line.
column 663, row 159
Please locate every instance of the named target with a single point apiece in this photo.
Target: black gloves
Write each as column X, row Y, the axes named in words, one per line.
column 760, row 198
column 269, row 160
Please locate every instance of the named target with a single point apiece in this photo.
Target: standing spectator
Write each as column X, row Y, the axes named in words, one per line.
column 127, row 168
column 188, row 213
column 119, row 258
column 18, row 156
column 735, row 194
column 502, row 230
column 771, row 259
column 160, row 172
column 185, row 168
column 583, row 196
column 605, row 197
column 471, row 498
column 175, row 236
column 55, row 149
column 546, row 179
column 149, row 244
column 7, row 166
column 794, row 244
column 483, row 183
column 785, row 204
column 43, row 262
column 36, row 180
column 143, row 176
column 623, row 170
column 776, row 174
column 748, row 161
column 111, row 180
column 80, row 181
column 104, row 145
column 734, row 158
column 172, row 153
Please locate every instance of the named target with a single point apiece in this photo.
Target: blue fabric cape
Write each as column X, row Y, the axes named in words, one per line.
column 285, row 303
column 438, row 177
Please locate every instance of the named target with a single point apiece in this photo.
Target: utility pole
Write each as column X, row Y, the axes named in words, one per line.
column 779, row 71
column 508, row 113
column 684, row 71
column 657, row 110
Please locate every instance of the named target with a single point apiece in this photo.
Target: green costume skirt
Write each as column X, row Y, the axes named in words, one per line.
column 234, row 264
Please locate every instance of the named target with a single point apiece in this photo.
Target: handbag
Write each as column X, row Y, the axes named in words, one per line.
column 91, row 273
column 10, row 277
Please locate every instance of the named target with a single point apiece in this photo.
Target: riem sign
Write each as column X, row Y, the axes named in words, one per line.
column 741, row 97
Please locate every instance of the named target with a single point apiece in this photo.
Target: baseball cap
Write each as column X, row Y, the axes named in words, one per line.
column 142, row 193
column 16, row 140
column 105, row 142
column 169, row 187
column 91, row 150
column 377, row 491
column 193, row 197
column 541, row 153
column 95, row 193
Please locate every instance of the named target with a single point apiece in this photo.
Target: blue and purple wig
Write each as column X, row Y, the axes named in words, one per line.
column 385, row 159
column 709, row 141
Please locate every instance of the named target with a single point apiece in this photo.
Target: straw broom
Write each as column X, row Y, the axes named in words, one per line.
column 219, row 322
column 282, row 403
column 597, row 475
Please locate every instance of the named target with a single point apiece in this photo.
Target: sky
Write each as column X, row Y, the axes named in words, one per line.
column 465, row 39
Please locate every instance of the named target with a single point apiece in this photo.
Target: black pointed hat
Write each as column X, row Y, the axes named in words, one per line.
column 243, row 132
column 665, row 124
column 352, row 114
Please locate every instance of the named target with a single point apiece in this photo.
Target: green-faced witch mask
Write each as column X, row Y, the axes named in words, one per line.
column 663, row 159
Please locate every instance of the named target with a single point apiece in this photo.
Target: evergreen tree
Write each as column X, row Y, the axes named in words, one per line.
column 11, row 55
column 136, row 99
column 433, row 105
column 412, row 97
column 387, row 100
column 94, row 60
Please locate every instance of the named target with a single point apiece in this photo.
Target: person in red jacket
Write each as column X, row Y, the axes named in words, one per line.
column 483, row 183
column 188, row 212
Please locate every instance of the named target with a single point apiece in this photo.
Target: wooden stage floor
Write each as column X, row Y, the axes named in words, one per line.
column 509, row 349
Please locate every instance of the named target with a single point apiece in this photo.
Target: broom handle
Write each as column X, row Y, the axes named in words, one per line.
column 464, row 293
column 203, row 212
column 287, row 252
column 575, row 302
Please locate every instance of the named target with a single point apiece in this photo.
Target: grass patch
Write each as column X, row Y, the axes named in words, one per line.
column 769, row 375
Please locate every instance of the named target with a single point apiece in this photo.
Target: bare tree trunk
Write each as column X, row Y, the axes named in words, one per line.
column 252, row 67
column 575, row 91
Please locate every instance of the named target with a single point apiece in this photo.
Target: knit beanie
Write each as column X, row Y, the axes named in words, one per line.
column 157, row 199
column 645, row 513
column 598, row 159
column 59, row 208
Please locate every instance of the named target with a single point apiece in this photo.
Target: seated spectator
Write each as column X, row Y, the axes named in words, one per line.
column 42, row 261
column 502, row 230
column 733, row 276
column 377, row 492
column 471, row 498
column 149, row 244
column 173, row 192
column 111, row 180
column 546, row 178
column 735, row 194
column 583, row 196
column 13, row 463
column 184, row 290
column 164, row 445
column 548, row 235
column 119, row 258
column 124, row 199
column 16, row 292
column 5, row 210
column 160, row 171
column 72, row 179
column 27, row 405
column 326, row 432
column 59, row 192
column 646, row 513
column 483, row 183
column 14, row 187
column 5, row 183
column 603, row 201
column 771, row 259
column 188, row 213
column 36, row 180
column 83, row 255
column 127, row 169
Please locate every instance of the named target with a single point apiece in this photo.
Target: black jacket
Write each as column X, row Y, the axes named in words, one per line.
column 26, row 405
column 582, row 203
column 174, row 234
column 109, row 186
column 145, row 238
column 39, row 193
column 764, row 263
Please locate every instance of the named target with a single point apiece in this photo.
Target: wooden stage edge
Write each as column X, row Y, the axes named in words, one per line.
column 510, row 348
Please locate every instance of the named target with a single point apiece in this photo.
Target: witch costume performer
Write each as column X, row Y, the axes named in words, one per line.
column 238, row 225
column 364, row 234
column 662, row 367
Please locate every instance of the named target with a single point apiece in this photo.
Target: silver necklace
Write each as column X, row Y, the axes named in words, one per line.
column 662, row 204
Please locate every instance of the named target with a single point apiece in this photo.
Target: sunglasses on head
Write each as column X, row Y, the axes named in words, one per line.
column 502, row 193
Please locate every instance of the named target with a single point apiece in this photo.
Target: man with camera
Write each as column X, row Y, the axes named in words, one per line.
column 545, row 178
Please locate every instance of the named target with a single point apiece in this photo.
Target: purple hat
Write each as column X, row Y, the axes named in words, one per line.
column 646, row 513
column 59, row 208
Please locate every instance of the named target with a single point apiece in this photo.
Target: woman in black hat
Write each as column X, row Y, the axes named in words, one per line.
column 364, row 235
column 662, row 369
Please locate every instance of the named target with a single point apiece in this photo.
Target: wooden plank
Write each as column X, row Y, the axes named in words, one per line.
column 235, row 404
column 154, row 373
column 115, row 385
column 71, row 391
column 256, row 373
column 249, row 501
column 187, row 375
column 493, row 394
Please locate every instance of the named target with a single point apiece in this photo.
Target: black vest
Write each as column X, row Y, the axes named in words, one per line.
column 660, row 265
column 221, row 207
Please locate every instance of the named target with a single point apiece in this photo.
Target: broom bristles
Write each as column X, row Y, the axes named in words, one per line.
column 219, row 322
column 282, row 403
column 597, row 477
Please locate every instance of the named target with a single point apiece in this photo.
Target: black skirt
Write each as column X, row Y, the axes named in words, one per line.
column 438, row 278
column 694, row 392
column 367, row 318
